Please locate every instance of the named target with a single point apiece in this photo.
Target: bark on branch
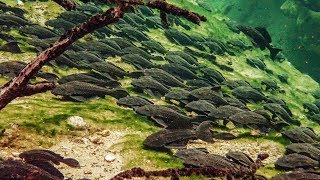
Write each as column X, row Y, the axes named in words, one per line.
column 66, row 4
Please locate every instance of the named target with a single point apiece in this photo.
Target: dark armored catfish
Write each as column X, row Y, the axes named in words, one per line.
column 47, row 155
column 260, row 37
column 166, row 116
column 82, row 91
column 177, row 138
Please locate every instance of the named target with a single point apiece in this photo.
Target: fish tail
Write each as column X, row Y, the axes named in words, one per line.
column 203, row 131
column 274, row 52
column 71, row 162
column 118, row 93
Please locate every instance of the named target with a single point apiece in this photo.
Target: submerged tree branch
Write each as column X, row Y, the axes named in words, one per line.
column 17, row 85
column 66, row 4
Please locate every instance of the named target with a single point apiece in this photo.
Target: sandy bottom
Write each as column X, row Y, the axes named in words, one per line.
column 94, row 155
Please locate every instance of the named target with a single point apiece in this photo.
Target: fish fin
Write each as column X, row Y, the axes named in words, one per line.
column 148, row 92
column 139, row 67
column 158, row 58
column 79, row 98
column 178, row 144
column 203, row 131
column 118, row 93
column 263, row 31
column 274, row 52
column 71, row 162
column 159, row 121
column 224, row 135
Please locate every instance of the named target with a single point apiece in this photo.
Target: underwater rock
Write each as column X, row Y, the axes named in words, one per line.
column 77, row 122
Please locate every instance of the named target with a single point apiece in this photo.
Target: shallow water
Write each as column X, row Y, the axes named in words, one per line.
column 136, row 77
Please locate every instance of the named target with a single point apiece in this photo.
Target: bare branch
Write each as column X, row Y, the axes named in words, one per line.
column 39, row 87
column 66, row 4
column 169, row 8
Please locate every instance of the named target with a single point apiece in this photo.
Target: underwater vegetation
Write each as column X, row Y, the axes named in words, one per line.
column 294, row 25
column 173, row 74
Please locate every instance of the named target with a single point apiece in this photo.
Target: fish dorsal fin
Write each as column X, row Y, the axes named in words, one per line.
column 264, row 33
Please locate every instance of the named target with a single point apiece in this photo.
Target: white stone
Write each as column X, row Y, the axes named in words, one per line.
column 110, row 157
column 77, row 122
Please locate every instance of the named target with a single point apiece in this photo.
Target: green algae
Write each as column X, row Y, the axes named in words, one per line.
column 45, row 115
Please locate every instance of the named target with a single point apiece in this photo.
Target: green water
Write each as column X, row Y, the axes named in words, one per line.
column 293, row 26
